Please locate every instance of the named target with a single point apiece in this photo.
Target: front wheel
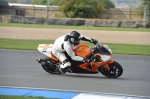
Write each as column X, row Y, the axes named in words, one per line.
column 115, row 71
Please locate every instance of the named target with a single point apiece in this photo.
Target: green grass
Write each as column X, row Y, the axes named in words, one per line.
column 22, row 44
column 74, row 27
column 131, row 49
column 22, row 97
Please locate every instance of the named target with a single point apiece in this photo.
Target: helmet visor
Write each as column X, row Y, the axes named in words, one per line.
column 76, row 41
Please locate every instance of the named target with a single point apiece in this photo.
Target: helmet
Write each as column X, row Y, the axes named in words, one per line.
column 74, row 37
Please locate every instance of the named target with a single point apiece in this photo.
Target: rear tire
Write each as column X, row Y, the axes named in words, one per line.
column 115, row 71
column 49, row 67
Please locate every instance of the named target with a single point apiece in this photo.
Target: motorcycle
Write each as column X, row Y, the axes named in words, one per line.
column 100, row 55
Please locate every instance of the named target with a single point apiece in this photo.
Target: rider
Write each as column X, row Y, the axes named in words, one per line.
column 65, row 44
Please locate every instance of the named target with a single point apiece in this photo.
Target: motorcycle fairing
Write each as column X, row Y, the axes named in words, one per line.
column 82, row 50
column 93, row 66
column 46, row 49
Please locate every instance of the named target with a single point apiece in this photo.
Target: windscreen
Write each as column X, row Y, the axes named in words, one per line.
column 101, row 49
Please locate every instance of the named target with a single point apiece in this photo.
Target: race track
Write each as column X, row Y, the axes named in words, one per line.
column 19, row 68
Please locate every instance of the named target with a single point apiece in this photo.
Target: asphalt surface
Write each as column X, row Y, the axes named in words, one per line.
column 19, row 68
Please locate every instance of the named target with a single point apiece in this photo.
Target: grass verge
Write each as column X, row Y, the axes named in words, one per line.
column 22, row 97
column 131, row 49
column 74, row 27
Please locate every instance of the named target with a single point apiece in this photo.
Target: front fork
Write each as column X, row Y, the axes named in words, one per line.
column 106, row 64
column 106, row 60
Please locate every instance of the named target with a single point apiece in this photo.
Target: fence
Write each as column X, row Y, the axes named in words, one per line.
column 40, row 11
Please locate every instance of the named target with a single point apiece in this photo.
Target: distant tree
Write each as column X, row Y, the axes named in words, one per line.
column 108, row 4
column 39, row 2
column 81, row 8
column 141, row 9
column 147, row 2
column 44, row 2
column 56, row 2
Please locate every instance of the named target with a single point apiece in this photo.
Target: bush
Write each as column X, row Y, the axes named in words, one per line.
column 81, row 8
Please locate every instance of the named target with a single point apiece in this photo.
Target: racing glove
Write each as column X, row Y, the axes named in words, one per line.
column 86, row 60
column 94, row 41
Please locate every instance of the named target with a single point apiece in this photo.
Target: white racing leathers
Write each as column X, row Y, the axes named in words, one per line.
column 58, row 51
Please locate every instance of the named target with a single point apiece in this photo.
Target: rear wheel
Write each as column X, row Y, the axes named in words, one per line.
column 115, row 71
column 49, row 66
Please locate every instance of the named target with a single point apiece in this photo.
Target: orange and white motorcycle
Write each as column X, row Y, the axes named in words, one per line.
column 100, row 55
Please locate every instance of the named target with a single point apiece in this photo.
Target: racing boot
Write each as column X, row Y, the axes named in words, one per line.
column 66, row 69
column 60, row 70
column 63, row 68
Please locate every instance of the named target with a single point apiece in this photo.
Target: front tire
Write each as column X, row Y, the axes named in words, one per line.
column 115, row 71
